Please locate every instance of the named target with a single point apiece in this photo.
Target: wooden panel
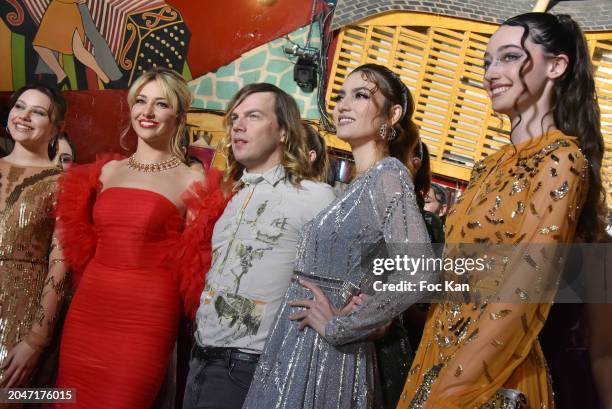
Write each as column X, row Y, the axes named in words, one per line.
column 601, row 50
column 442, row 66
column 440, row 60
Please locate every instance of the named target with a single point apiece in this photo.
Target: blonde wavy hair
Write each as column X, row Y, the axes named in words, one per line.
column 295, row 153
column 177, row 93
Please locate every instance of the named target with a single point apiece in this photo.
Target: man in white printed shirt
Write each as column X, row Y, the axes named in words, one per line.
column 254, row 243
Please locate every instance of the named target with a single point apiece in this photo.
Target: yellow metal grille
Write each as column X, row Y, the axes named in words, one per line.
column 440, row 60
column 601, row 49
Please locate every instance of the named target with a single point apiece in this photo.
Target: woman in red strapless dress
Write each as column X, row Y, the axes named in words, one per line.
column 139, row 231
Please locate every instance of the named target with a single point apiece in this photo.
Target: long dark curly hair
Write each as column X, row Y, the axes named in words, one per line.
column 575, row 109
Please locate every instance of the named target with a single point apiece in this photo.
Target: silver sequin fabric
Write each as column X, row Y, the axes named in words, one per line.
column 376, row 217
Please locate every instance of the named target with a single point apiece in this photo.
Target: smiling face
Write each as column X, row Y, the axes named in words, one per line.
column 30, row 121
column 256, row 137
column 153, row 118
column 511, row 91
column 357, row 114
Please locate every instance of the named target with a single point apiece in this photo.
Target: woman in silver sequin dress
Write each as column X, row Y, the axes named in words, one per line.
column 318, row 356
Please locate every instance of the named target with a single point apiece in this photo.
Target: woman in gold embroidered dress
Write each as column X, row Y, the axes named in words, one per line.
column 32, row 272
column 541, row 191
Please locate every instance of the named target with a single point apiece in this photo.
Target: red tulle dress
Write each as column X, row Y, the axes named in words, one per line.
column 137, row 263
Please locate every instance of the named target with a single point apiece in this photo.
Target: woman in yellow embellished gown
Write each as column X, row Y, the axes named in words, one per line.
column 32, row 272
column 539, row 192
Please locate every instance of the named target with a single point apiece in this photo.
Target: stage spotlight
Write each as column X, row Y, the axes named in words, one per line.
column 305, row 73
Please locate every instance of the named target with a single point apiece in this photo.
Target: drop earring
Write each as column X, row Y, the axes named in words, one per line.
column 382, row 131
column 392, row 135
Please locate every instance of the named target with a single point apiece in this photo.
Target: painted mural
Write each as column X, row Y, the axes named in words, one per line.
column 266, row 63
column 89, row 44
column 104, row 44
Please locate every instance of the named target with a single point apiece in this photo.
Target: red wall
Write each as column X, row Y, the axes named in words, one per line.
column 95, row 121
column 223, row 30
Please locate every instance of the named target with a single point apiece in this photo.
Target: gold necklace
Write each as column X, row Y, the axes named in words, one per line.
column 133, row 164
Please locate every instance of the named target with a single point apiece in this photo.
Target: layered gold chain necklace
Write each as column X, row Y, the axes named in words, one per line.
column 170, row 163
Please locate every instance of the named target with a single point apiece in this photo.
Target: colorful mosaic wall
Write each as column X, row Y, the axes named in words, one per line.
column 89, row 44
column 267, row 63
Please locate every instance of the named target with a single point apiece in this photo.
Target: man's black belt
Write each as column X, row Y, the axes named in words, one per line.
column 212, row 353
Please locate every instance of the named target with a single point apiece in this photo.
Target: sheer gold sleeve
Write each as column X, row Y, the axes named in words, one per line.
column 51, row 299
